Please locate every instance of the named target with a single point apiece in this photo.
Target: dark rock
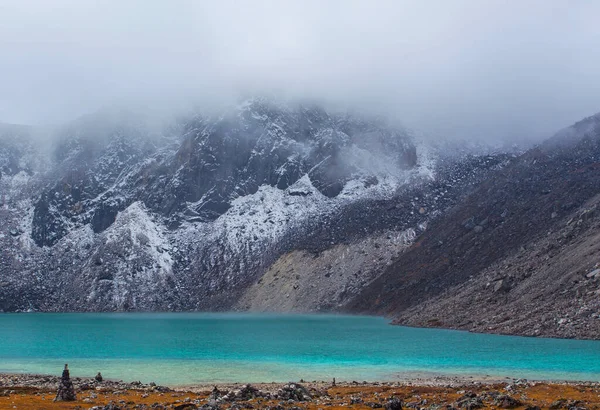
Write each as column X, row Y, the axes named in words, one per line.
column 469, row 223
column 575, row 405
column 559, row 404
column 109, row 406
column 211, row 405
column 469, row 401
column 186, row 406
column 215, row 393
column 501, row 286
column 393, row 404
column 355, row 400
column 248, row 392
column 293, row 391
column 506, row 402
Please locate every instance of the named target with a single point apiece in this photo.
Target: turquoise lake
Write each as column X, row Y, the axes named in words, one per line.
column 188, row 348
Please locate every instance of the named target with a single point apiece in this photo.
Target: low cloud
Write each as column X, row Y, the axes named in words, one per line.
column 465, row 69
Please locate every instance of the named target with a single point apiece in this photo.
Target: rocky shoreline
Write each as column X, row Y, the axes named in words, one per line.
column 24, row 391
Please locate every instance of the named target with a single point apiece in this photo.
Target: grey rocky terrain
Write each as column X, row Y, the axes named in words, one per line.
column 517, row 255
column 121, row 215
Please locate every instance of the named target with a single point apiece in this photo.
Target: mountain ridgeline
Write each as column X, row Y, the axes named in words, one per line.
column 286, row 207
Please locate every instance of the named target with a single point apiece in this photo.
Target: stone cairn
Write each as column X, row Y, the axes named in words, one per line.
column 66, row 391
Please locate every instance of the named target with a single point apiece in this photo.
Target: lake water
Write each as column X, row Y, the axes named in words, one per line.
column 187, row 348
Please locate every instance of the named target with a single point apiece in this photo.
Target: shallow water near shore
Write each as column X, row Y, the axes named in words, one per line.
column 193, row 348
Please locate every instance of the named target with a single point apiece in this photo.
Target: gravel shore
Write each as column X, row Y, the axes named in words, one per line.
column 24, row 391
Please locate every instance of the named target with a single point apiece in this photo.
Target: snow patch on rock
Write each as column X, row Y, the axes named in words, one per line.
column 136, row 224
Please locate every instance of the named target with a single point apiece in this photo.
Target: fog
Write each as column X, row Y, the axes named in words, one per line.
column 467, row 69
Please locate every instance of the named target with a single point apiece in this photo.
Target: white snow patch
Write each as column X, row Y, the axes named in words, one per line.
column 137, row 223
column 26, row 224
column 425, row 160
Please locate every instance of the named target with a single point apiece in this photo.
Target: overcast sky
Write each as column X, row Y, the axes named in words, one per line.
column 483, row 68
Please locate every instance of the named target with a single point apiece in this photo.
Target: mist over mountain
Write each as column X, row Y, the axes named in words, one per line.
column 464, row 69
column 118, row 210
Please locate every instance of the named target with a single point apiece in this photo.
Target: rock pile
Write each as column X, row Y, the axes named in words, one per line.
column 66, row 391
column 393, row 404
column 293, row 391
column 469, row 401
column 247, row 392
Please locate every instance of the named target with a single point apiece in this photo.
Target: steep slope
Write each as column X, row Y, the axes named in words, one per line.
column 517, row 255
column 349, row 249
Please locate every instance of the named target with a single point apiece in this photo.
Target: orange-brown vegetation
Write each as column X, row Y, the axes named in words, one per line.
column 356, row 396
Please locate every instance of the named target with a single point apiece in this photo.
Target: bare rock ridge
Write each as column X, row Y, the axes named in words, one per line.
column 288, row 207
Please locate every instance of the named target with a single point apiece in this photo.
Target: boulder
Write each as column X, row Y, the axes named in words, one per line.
column 469, row 401
column 186, row 406
column 469, row 223
column 501, row 286
column 293, row 391
column 393, row 404
column 506, row 402
column 593, row 274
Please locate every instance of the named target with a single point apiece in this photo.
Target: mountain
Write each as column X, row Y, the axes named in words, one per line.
column 272, row 206
column 117, row 212
column 518, row 254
